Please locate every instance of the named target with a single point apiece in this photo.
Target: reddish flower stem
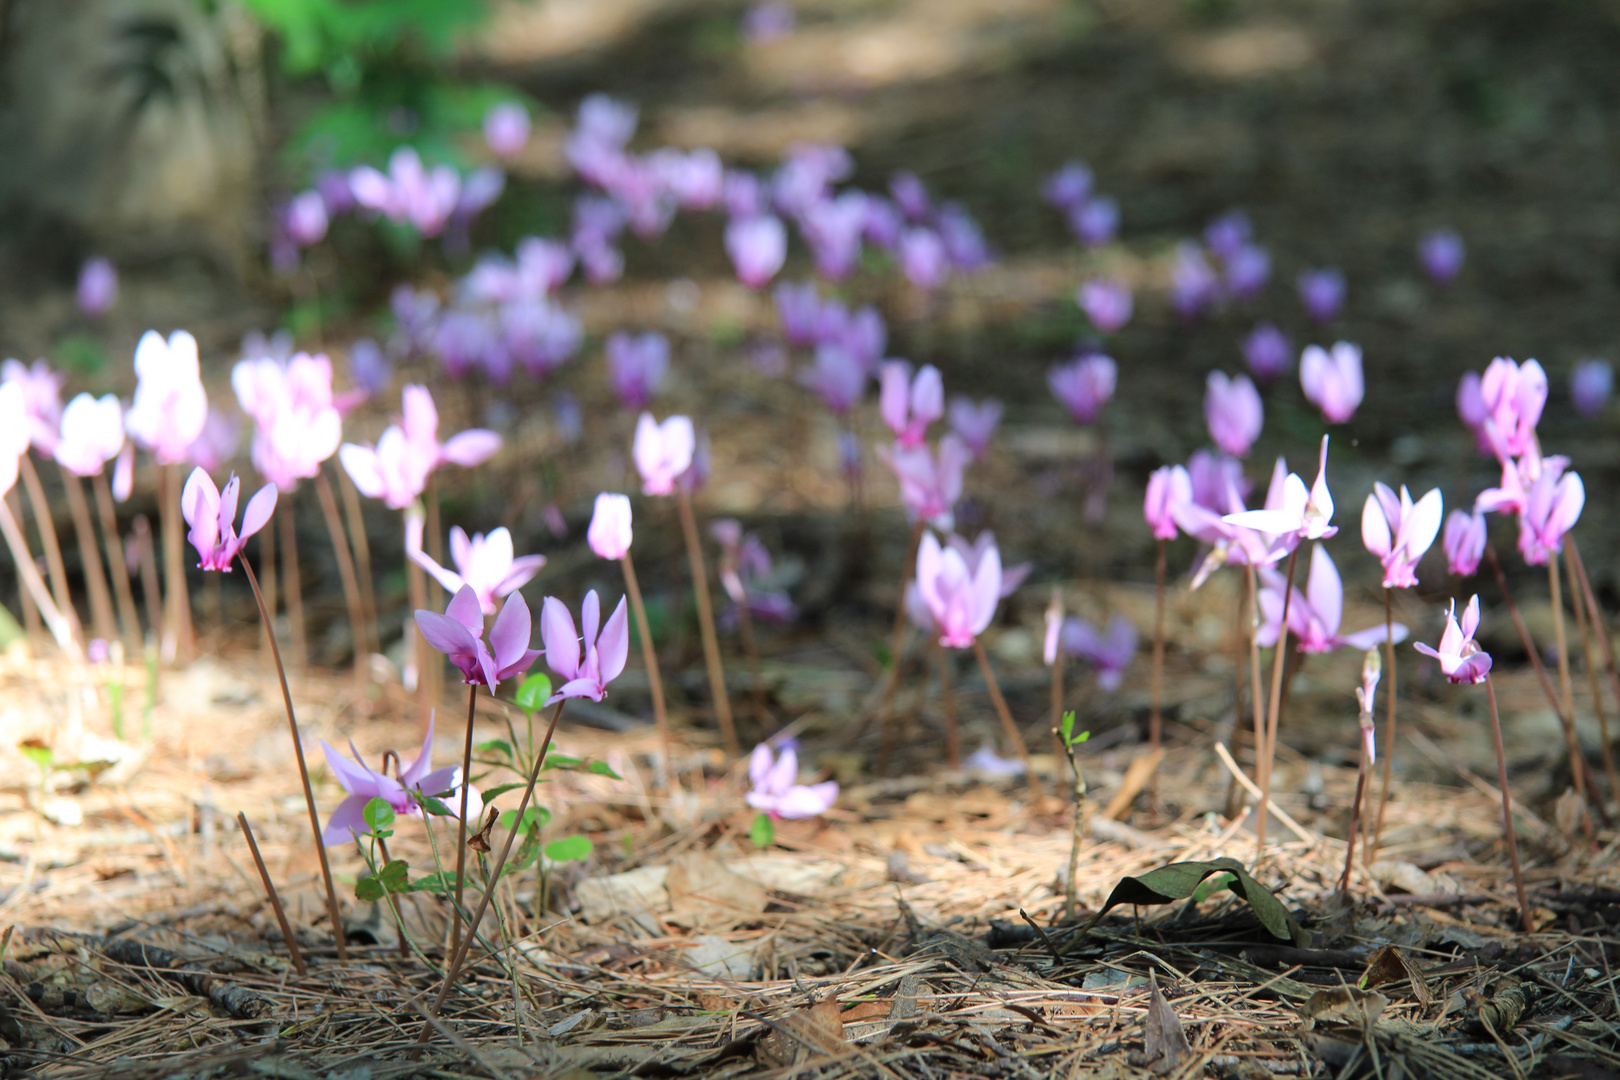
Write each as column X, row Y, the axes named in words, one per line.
column 114, row 545
column 1013, row 734
column 1600, row 630
column 1507, row 807
column 1268, row 747
column 711, row 644
column 461, row 818
column 649, row 659
column 1389, row 724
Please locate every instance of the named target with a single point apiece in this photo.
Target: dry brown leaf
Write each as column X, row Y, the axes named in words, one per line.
column 1164, row 1043
column 705, row 895
column 812, row 1031
column 1388, row 964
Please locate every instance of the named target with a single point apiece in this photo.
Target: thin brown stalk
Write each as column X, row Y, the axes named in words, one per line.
column 1071, row 887
column 897, row 646
column 947, row 704
column 459, row 956
column 1389, row 725
column 178, row 641
column 46, row 524
column 147, row 558
column 1355, row 815
column 292, row 589
column 1566, row 687
column 1268, row 748
column 745, row 623
column 332, row 909
column 1589, row 662
column 649, row 658
column 1507, row 807
column 275, row 899
column 461, row 818
column 95, row 578
column 417, row 655
column 1013, row 735
column 355, row 515
column 351, row 586
column 271, row 579
column 32, row 625
column 1157, row 700
column 1241, row 640
column 1600, row 630
column 711, row 644
column 34, row 585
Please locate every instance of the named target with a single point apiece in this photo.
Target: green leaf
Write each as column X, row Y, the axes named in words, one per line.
column 499, row 789
column 574, row 764
column 562, row 761
column 533, row 691
column 495, row 744
column 601, row 768
column 433, row 806
column 438, row 884
column 535, row 817
column 1066, row 729
column 1178, row 881
column 38, row 753
column 526, row 853
column 569, row 849
column 395, row 876
column 378, row 815
column 368, row 890
column 763, row 831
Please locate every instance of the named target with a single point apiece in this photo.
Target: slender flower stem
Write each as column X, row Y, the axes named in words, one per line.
column 34, row 585
column 332, row 909
column 711, row 645
column 267, row 568
column 1156, row 707
column 1600, row 630
column 178, row 642
column 95, row 578
column 1268, row 748
column 275, row 898
column 1507, row 806
column 292, row 589
column 1245, row 645
column 897, row 644
column 1355, row 817
column 46, row 525
column 1071, row 886
column 1589, row 662
column 459, row 956
column 1389, row 728
column 745, row 623
column 32, row 625
column 356, row 518
column 114, row 545
column 1565, row 686
column 1002, row 711
column 947, row 704
column 147, row 558
column 461, row 818
column 649, row 659
column 351, row 586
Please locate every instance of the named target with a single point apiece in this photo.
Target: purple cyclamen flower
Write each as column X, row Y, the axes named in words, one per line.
column 1216, row 480
column 798, row 308
column 1464, row 541
column 1110, row 653
column 1513, row 396
column 409, row 193
column 1441, row 255
column 506, row 129
column 1322, row 293
column 908, row 405
column 1228, row 234
column 304, row 218
column 1069, row 187
column 832, row 228
column 960, row 601
column 1460, row 656
column 170, row 405
column 212, row 517
column 1552, row 506
column 930, row 484
column 1084, row 385
column 758, row 247
column 1247, row 271
column 1590, row 384
column 1096, row 221
column 416, row 781
column 1107, row 303
column 767, row 21
column 884, row 223
column 1193, row 284
column 369, row 367
column 1168, row 489
column 863, row 334
column 1233, row 411
column 663, row 451
column 1314, row 615
column 1268, row 352
column 923, row 258
column 636, row 366
column 1332, row 381
column 42, row 392
column 964, row 240
column 486, row 564
column 773, row 786
column 1399, row 531
column 587, row 675
column 1298, row 514
column 97, row 291
column 459, row 635
column 975, row 422
column 837, row 377
column 911, row 196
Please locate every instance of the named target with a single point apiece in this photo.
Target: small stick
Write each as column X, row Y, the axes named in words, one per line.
column 1007, row 720
column 114, row 544
column 1565, row 686
column 649, row 658
column 1269, row 744
column 275, row 900
column 362, row 556
column 460, row 955
column 31, row 622
column 178, row 642
column 1355, row 815
column 1247, row 618
column 332, row 908
column 95, row 578
column 947, row 704
column 292, row 590
column 45, row 523
column 1507, row 807
column 147, row 558
column 34, row 585
column 1158, row 671
column 897, row 642
column 1600, row 630
column 1304, row 835
column 1389, row 728
column 351, row 587
column 1368, row 741
column 1589, row 661
column 711, row 646
column 461, row 822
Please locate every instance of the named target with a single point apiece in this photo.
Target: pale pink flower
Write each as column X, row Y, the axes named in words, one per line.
column 1084, row 386
column 774, row 788
column 1054, row 628
column 13, row 433
column 297, row 423
column 1314, row 616
column 42, row 390
column 170, row 405
column 394, row 471
column 1552, row 506
column 609, row 533
column 1300, row 514
column 663, row 452
column 961, row 603
column 1399, row 531
column 1233, row 411
column 930, row 484
column 605, row 653
column 909, row 404
column 1332, row 381
column 1168, row 488
column 1464, row 541
column 506, row 128
column 758, row 248
column 975, row 422
column 1109, row 653
column 419, row 420
column 212, row 517
column 485, row 564
column 1460, row 656
column 459, row 635
column 92, row 434
column 1513, row 396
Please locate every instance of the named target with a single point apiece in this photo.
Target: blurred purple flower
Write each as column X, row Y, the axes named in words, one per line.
column 1233, row 411
column 1228, row 234
column 975, row 422
column 837, row 377
column 97, row 291
column 636, row 366
column 909, row 405
column 1095, row 221
column 884, row 223
column 1332, row 381
column 1193, row 284
column 930, row 485
column 744, row 194
column 1084, row 386
column 1590, row 384
column 758, row 248
column 1107, row 303
column 1247, row 272
column 1464, row 541
column 911, row 196
column 832, row 228
column 506, row 129
column 1111, row 653
column 409, row 193
column 964, row 240
column 368, row 367
column 1441, row 255
column 773, row 788
column 1268, row 352
column 1217, row 480
column 304, row 218
column 767, row 21
column 1168, row 488
column 1322, row 293
column 798, row 308
column 922, row 258
column 1069, row 187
